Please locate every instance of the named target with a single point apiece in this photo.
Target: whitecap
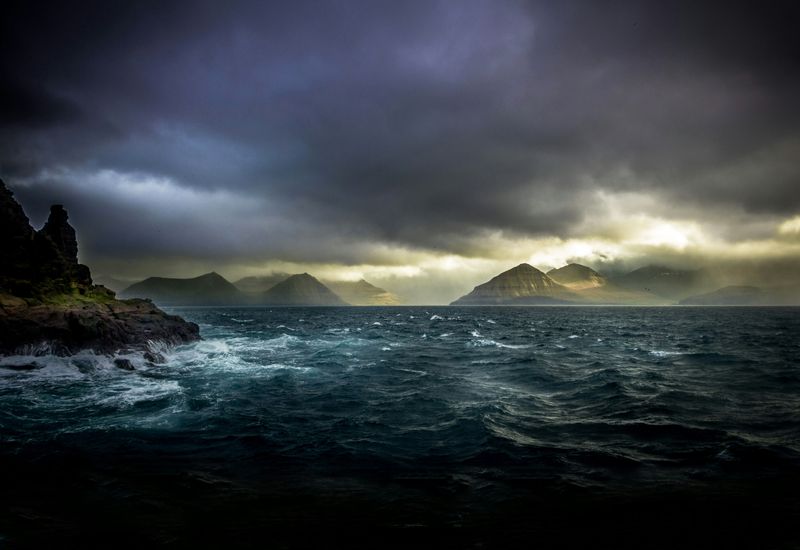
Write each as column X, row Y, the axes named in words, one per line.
column 123, row 394
column 660, row 353
column 491, row 322
column 437, row 318
column 486, row 342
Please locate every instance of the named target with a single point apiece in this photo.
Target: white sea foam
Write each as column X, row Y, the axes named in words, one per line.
column 487, row 342
column 661, row 353
column 437, row 318
column 126, row 393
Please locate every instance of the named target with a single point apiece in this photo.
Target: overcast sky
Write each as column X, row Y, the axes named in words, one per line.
column 425, row 145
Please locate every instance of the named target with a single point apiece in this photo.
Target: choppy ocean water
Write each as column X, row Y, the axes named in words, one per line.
column 475, row 427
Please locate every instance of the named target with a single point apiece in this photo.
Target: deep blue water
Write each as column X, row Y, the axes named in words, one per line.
column 413, row 418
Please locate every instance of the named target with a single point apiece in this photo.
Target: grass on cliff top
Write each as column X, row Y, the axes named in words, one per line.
column 75, row 296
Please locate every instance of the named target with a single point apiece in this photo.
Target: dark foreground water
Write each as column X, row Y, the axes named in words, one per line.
column 402, row 427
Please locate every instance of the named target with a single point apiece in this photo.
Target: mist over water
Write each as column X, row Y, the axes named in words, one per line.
column 410, row 416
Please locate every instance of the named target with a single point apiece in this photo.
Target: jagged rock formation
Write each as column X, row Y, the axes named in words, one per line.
column 37, row 262
column 521, row 285
column 211, row 289
column 362, row 293
column 577, row 277
column 49, row 304
column 301, row 290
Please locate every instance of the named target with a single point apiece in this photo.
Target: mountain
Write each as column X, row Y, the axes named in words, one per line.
column 301, row 290
column 727, row 296
column 362, row 293
column 521, row 285
column 112, row 283
column 260, row 283
column 210, row 289
column 741, row 295
column 664, row 281
column 577, row 277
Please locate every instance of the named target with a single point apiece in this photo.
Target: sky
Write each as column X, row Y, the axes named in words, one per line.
column 424, row 145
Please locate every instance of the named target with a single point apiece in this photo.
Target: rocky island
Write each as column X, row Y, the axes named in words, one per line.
column 48, row 303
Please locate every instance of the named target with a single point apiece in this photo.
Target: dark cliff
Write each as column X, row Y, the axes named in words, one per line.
column 49, row 304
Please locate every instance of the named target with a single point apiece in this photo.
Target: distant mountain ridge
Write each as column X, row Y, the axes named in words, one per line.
column 664, row 281
column 577, row 277
column 279, row 289
column 579, row 284
column 520, row 285
column 744, row 295
column 210, row 289
column 362, row 293
column 301, row 290
column 260, row 283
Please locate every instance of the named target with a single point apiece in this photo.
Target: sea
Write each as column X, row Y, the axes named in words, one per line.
column 407, row 427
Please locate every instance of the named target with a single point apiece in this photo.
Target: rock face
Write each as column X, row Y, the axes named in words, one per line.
column 301, row 290
column 522, row 285
column 211, row 289
column 362, row 293
column 48, row 303
column 16, row 239
column 577, row 277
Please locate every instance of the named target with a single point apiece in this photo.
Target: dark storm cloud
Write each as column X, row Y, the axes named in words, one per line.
column 422, row 124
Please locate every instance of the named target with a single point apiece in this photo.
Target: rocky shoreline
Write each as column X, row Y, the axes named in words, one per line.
column 103, row 327
column 48, row 304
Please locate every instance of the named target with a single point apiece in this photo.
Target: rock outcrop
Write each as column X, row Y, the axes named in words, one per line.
column 49, row 304
column 102, row 326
